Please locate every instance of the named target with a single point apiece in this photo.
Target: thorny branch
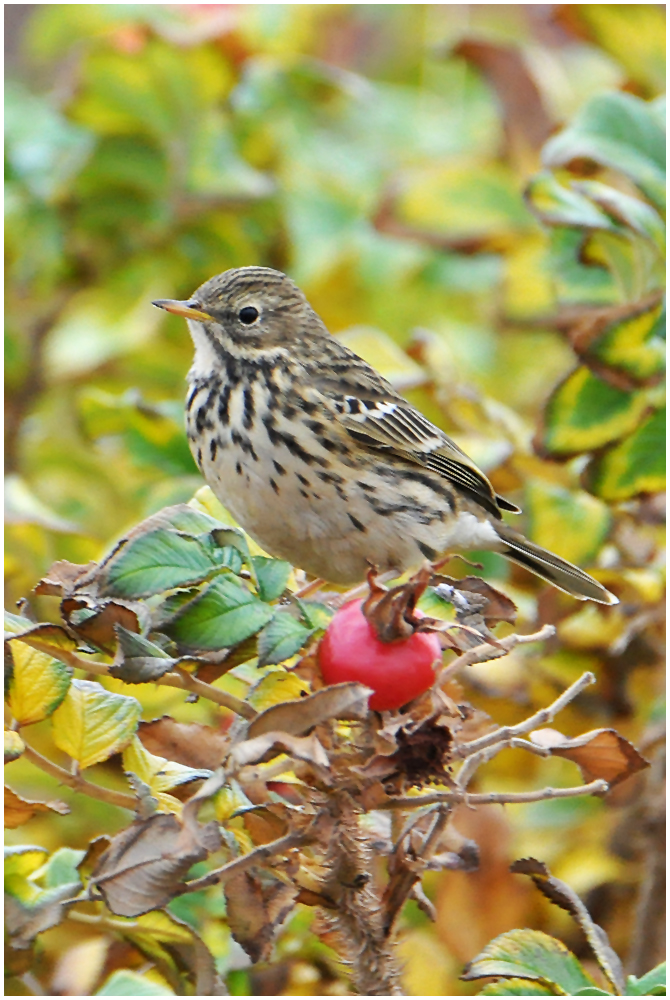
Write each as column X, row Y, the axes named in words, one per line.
column 177, row 679
column 540, row 718
column 298, row 838
column 487, row 651
column 597, row 787
column 78, row 783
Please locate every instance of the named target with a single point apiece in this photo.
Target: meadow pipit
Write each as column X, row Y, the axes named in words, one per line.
column 319, row 458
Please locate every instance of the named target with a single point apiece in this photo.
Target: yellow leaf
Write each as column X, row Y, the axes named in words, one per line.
column 572, row 525
column 92, row 724
column 229, row 800
column 38, row 683
column 14, row 746
column 275, row 687
column 158, row 773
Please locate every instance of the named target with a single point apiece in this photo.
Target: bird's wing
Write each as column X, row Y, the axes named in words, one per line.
column 373, row 414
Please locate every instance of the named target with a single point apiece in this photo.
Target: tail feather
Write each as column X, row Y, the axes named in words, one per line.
column 551, row 568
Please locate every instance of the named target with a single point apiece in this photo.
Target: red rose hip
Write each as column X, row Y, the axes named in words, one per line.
column 396, row 671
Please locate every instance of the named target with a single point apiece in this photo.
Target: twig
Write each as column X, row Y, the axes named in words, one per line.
column 178, row 678
column 475, row 760
column 400, row 886
column 598, row 787
column 489, row 651
column 544, row 715
column 259, row 854
column 78, row 783
column 309, row 588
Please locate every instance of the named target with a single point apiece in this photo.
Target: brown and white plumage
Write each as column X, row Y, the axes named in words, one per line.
column 319, row 458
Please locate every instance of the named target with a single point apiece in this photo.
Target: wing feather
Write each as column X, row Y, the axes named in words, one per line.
column 374, row 415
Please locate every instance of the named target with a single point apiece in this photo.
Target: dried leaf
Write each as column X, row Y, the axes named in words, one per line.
column 62, row 577
column 189, row 743
column 340, row 701
column 98, row 628
column 19, row 810
column 30, row 909
column 264, row 823
column 143, row 867
column 256, row 905
column 305, row 748
column 601, row 753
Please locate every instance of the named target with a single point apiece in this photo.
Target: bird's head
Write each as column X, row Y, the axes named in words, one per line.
column 246, row 308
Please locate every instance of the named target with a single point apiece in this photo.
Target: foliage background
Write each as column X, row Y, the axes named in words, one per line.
column 378, row 154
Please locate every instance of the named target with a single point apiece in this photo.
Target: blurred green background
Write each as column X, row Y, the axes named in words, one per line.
column 379, row 155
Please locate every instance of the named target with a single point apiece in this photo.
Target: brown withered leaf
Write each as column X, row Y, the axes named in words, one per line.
column 189, row 743
column 61, row 578
column 23, row 921
column 256, row 905
column 265, row 823
column 218, row 664
column 305, row 748
column 19, row 810
column 143, row 867
column 601, row 753
column 498, row 607
column 98, row 628
column 339, row 701
column 562, row 895
column 96, row 849
column 526, row 120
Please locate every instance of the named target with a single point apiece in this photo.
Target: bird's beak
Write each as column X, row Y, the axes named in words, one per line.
column 190, row 310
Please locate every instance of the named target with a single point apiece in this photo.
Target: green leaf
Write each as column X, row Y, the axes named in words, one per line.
column 61, row 868
column 516, row 988
column 635, row 344
column 224, row 614
column 615, row 130
column 577, row 280
column 316, row 615
column 636, row 465
column 584, row 413
column 124, row 983
column 625, row 210
column 592, row 991
column 653, row 983
column 92, row 723
column 14, row 624
column 281, row 638
column 159, row 560
column 272, row 576
column 138, row 660
column 37, row 684
column 559, row 205
column 44, row 148
column 528, row 954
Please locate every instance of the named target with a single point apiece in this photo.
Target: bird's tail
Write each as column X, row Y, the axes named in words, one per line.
column 555, row 570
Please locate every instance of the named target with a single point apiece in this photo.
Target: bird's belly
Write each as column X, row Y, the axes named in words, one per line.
column 330, row 518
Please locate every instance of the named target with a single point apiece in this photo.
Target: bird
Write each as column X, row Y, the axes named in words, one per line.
column 319, row 459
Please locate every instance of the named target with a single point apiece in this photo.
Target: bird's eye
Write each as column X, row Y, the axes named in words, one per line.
column 249, row 315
